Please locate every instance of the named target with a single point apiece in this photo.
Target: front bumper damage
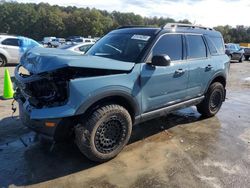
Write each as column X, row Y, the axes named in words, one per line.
column 55, row 84
column 43, row 104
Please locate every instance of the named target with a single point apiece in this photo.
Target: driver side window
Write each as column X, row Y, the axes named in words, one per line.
column 170, row 45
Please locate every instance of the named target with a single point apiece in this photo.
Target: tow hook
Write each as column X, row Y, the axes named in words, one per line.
column 13, row 107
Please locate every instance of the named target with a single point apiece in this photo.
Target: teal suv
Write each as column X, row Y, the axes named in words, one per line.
column 131, row 75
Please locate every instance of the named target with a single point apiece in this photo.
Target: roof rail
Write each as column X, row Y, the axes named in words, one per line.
column 175, row 25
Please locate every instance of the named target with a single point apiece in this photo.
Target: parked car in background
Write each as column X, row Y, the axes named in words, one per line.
column 246, row 52
column 235, row 52
column 81, row 48
column 82, row 40
column 71, row 38
column 12, row 47
column 57, row 42
column 47, row 41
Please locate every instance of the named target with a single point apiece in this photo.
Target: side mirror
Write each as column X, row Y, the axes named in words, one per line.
column 161, row 60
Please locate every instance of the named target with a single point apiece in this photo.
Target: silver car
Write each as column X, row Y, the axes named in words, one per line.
column 81, row 48
column 12, row 47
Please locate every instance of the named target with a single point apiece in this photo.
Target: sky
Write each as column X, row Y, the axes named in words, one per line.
column 203, row 12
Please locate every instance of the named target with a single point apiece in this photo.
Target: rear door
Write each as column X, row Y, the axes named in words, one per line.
column 11, row 45
column 163, row 86
column 200, row 63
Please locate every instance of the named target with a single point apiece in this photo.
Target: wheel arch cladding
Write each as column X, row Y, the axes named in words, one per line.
column 4, row 57
column 122, row 99
column 221, row 79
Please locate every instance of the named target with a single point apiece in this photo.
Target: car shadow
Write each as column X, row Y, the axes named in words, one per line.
column 11, row 65
column 35, row 163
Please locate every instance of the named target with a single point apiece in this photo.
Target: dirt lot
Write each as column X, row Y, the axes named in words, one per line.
column 181, row 150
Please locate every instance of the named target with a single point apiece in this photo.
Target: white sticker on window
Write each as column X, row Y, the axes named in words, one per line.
column 141, row 37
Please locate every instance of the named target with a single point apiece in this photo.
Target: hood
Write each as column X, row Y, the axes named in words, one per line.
column 39, row 60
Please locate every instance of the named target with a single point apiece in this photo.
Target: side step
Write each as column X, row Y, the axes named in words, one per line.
column 166, row 110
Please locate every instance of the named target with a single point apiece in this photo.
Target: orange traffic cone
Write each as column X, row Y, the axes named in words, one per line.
column 7, row 87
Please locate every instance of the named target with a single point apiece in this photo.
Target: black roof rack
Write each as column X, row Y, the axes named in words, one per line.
column 178, row 25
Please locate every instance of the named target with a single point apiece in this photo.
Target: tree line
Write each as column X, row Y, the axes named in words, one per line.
column 39, row 20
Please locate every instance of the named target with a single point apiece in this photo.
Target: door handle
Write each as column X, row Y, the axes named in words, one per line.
column 179, row 71
column 209, row 67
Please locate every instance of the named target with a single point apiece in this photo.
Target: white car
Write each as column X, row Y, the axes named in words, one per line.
column 83, row 40
column 12, row 47
column 81, row 48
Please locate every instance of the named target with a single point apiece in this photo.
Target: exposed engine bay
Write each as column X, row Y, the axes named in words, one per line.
column 51, row 88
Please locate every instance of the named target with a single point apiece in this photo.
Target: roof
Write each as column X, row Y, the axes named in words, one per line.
column 169, row 28
column 3, row 37
column 138, row 30
column 8, row 36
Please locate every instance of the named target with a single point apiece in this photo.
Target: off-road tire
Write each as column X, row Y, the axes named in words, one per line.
column 213, row 100
column 2, row 61
column 105, row 133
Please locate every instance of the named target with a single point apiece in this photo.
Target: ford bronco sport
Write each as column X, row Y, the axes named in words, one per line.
column 131, row 75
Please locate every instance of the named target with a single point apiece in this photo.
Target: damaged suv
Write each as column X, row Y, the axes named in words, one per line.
column 131, row 75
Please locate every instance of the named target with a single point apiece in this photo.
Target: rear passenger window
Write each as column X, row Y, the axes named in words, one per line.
column 11, row 42
column 196, row 47
column 170, row 45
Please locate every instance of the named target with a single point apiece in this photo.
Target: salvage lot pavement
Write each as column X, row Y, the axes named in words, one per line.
column 181, row 150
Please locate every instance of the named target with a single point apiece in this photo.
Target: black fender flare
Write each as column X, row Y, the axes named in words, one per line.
column 107, row 94
column 216, row 75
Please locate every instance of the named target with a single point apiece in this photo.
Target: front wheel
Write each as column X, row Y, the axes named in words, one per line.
column 213, row 100
column 105, row 133
column 2, row 61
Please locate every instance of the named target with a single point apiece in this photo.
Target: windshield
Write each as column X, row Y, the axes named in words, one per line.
column 120, row 46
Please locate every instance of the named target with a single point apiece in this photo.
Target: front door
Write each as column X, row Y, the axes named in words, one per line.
column 163, row 86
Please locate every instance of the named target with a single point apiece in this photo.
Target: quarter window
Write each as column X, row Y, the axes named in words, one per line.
column 211, row 46
column 218, row 41
column 170, row 45
column 11, row 42
column 196, row 47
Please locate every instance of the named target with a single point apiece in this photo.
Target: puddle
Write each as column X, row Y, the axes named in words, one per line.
column 247, row 79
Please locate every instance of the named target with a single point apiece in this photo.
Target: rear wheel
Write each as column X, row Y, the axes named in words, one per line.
column 230, row 56
column 213, row 100
column 2, row 61
column 242, row 59
column 105, row 133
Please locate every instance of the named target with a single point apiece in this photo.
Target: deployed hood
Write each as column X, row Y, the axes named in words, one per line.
column 39, row 60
